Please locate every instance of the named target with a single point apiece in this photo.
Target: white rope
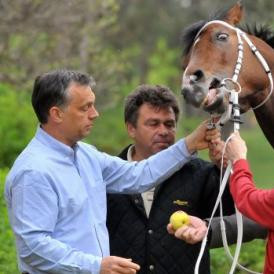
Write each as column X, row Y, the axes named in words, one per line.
column 221, row 190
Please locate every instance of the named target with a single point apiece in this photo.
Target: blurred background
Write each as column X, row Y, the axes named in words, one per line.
column 121, row 44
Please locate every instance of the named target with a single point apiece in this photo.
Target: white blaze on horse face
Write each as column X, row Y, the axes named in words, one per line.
column 186, row 80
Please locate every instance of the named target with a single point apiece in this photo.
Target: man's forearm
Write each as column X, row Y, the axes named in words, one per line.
column 251, row 231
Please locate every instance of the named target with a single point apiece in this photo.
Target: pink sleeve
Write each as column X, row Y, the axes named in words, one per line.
column 257, row 204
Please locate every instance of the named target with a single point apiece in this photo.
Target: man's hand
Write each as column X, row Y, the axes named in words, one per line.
column 236, row 148
column 117, row 265
column 215, row 153
column 192, row 233
column 200, row 137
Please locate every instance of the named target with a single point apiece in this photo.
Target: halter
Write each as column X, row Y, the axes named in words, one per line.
column 233, row 113
column 238, row 66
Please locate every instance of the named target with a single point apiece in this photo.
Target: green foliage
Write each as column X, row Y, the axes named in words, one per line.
column 8, row 263
column 109, row 133
column 162, row 69
column 17, row 123
column 251, row 256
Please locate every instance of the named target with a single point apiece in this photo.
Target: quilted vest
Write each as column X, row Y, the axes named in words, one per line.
column 194, row 189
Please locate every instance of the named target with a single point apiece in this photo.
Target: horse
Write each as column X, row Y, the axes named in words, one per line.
column 216, row 52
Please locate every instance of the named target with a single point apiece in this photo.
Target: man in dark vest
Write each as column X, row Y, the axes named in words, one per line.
column 137, row 223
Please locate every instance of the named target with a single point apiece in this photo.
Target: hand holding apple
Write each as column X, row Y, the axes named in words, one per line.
column 191, row 233
column 178, row 219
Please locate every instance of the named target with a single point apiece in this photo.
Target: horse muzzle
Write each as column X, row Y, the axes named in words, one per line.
column 193, row 95
column 199, row 98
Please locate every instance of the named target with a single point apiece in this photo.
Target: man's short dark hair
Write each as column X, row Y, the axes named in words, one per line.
column 50, row 89
column 156, row 95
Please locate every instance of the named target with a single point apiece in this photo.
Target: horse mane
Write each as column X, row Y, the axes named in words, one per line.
column 263, row 32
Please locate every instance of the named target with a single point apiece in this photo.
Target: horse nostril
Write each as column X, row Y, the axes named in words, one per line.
column 197, row 76
column 183, row 92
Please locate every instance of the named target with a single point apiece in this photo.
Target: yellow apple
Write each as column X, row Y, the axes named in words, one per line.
column 178, row 219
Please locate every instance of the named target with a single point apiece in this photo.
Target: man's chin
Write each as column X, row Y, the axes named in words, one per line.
column 86, row 133
column 161, row 146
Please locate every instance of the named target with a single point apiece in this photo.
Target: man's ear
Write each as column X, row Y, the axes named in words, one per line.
column 131, row 130
column 56, row 114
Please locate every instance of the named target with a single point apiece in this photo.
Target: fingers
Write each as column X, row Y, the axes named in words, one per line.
column 127, row 263
column 212, row 135
column 236, row 148
column 122, row 270
column 170, row 229
column 199, row 139
column 126, row 266
column 118, row 265
column 190, row 235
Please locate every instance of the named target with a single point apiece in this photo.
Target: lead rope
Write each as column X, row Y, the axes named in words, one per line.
column 239, row 219
column 234, row 114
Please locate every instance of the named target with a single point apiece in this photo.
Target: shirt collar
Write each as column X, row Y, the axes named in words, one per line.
column 51, row 142
column 130, row 153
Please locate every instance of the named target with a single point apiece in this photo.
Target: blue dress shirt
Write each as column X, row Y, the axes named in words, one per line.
column 56, row 197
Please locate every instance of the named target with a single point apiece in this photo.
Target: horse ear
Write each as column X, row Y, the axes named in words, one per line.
column 235, row 14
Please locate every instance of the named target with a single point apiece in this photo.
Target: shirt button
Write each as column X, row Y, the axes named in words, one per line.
column 136, row 201
column 150, row 231
column 151, row 267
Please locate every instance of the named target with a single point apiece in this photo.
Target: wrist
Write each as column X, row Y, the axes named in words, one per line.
column 209, row 235
column 240, row 157
column 190, row 144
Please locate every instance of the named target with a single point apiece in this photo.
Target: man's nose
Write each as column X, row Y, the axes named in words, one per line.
column 93, row 114
column 163, row 129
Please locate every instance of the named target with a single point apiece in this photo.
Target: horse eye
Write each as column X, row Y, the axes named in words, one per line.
column 222, row 36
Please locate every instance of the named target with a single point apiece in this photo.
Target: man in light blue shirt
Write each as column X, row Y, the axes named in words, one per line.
column 56, row 189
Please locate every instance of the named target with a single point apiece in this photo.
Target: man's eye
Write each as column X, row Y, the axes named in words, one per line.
column 85, row 108
column 170, row 125
column 152, row 124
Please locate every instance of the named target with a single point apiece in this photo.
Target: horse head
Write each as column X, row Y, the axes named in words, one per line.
column 212, row 55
